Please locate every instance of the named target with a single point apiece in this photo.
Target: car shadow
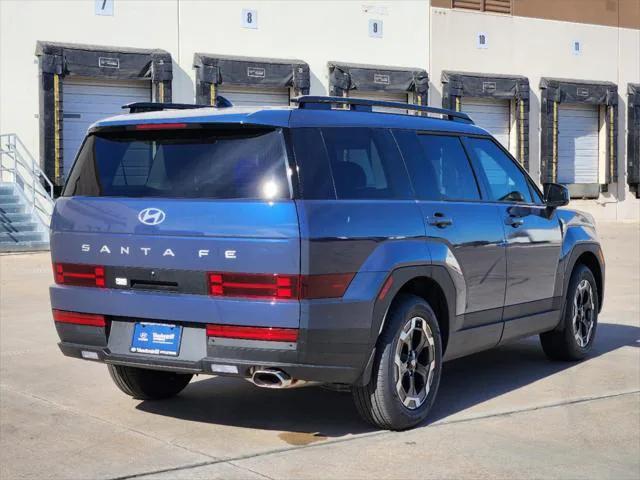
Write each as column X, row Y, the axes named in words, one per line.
column 306, row 415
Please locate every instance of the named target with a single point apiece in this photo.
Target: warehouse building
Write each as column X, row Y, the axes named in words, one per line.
column 556, row 81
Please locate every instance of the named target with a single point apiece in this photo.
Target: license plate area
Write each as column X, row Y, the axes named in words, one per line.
column 156, row 339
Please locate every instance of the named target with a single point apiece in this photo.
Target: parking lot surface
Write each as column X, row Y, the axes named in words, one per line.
column 507, row 413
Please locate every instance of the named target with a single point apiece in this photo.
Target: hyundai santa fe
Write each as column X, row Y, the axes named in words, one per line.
column 323, row 243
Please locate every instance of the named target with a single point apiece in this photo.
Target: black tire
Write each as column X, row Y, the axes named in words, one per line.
column 562, row 344
column 146, row 384
column 379, row 402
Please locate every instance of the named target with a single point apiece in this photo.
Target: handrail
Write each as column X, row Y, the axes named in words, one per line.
column 27, row 175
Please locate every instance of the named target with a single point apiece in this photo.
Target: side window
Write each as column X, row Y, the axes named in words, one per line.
column 439, row 166
column 313, row 165
column 366, row 164
column 505, row 182
column 423, row 176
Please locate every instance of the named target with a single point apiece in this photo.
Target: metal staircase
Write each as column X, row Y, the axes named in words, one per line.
column 26, row 199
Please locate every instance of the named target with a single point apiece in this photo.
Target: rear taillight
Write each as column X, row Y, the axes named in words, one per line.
column 77, row 318
column 281, row 287
column 78, row 274
column 278, row 286
column 269, row 334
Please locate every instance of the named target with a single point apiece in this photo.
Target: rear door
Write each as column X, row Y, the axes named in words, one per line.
column 155, row 203
column 466, row 234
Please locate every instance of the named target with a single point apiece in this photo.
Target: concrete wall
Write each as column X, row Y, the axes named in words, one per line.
column 539, row 48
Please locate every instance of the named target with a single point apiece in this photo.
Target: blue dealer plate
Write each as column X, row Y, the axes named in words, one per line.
column 156, row 339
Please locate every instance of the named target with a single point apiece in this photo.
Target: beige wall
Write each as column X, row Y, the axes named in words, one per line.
column 539, row 48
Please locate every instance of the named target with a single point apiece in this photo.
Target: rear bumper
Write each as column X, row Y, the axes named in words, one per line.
column 334, row 340
column 211, row 365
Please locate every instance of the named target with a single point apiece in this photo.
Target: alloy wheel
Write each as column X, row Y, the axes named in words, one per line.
column 415, row 362
column 583, row 313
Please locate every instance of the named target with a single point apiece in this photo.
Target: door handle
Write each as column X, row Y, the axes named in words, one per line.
column 515, row 222
column 439, row 220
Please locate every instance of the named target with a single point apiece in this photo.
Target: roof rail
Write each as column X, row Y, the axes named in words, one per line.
column 318, row 102
column 137, row 107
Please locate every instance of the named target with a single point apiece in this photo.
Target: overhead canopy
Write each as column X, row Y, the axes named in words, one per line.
column 103, row 61
column 580, row 91
column 251, row 71
column 470, row 84
column 344, row 77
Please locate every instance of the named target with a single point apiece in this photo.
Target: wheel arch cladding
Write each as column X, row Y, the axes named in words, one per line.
column 433, row 284
column 589, row 254
column 590, row 260
column 430, row 290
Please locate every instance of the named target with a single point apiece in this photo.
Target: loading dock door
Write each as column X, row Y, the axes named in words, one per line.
column 577, row 143
column 491, row 114
column 254, row 97
column 381, row 96
column 85, row 101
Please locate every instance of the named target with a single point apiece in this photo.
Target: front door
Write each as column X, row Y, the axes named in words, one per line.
column 532, row 233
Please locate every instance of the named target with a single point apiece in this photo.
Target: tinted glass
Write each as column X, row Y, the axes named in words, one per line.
column 423, row 176
column 237, row 163
column 505, row 181
column 366, row 164
column 441, row 170
column 313, row 165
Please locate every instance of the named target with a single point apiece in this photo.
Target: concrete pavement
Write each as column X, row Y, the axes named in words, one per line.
column 503, row 413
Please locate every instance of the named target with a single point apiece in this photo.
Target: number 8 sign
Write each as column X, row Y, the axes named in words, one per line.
column 249, row 18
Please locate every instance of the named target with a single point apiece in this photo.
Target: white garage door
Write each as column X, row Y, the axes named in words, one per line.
column 490, row 114
column 577, row 143
column 85, row 101
column 381, row 96
column 255, row 97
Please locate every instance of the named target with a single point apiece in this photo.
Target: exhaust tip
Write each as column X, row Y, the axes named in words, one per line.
column 271, row 378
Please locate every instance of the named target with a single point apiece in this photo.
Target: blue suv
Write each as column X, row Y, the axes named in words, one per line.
column 327, row 243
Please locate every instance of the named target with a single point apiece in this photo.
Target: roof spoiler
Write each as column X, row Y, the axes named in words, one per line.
column 137, row 107
column 364, row 104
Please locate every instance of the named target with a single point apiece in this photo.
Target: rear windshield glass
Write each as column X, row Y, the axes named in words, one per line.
column 202, row 163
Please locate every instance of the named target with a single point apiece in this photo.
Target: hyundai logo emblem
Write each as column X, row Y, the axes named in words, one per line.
column 151, row 216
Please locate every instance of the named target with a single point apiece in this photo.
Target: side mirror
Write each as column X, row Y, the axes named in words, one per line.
column 556, row 195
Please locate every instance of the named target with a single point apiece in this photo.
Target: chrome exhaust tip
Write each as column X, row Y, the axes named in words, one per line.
column 271, row 378
column 276, row 378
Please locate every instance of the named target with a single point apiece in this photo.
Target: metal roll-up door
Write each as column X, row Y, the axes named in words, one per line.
column 578, row 143
column 254, row 97
column 85, row 101
column 381, row 96
column 491, row 114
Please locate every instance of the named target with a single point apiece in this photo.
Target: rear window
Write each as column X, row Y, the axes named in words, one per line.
column 248, row 163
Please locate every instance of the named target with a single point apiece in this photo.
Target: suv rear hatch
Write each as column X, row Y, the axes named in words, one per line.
column 181, row 213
